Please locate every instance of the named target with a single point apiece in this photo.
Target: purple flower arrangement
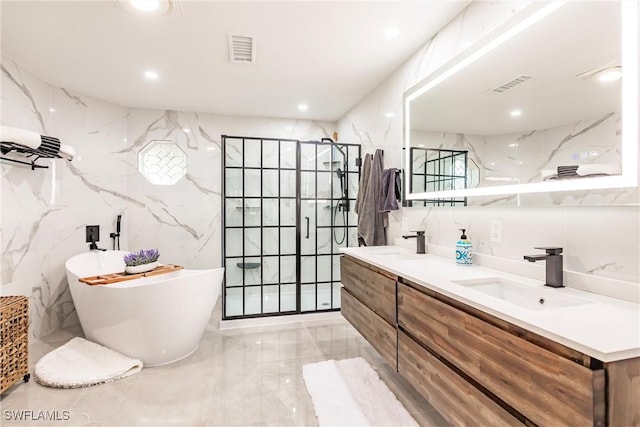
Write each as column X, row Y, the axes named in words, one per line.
column 142, row 257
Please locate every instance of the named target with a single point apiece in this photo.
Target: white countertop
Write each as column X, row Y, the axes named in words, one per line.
column 605, row 328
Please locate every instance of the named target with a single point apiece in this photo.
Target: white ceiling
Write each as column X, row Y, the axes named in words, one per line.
column 577, row 38
column 327, row 54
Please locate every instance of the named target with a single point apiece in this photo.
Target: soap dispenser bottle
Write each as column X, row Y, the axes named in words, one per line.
column 464, row 250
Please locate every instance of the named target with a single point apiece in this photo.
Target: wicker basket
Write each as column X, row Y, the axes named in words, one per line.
column 14, row 340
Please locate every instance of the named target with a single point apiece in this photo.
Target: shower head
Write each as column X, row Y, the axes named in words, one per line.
column 336, row 146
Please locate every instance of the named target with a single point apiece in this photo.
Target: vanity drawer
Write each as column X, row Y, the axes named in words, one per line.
column 381, row 335
column 523, row 375
column 456, row 399
column 374, row 289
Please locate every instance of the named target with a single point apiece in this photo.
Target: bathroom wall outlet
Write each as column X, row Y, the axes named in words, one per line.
column 92, row 233
column 495, row 231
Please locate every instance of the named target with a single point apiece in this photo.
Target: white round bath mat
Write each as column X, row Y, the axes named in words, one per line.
column 82, row 363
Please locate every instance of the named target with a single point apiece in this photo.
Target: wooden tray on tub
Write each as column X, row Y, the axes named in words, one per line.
column 106, row 279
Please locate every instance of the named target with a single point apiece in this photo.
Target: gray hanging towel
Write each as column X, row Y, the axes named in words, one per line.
column 388, row 192
column 371, row 223
column 364, row 182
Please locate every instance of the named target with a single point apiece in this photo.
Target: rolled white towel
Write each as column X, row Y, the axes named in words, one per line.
column 67, row 151
column 26, row 138
column 599, row 169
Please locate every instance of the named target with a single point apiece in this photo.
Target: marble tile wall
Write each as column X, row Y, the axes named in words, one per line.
column 601, row 237
column 44, row 212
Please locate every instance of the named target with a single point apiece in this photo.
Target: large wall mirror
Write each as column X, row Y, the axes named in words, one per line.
column 537, row 107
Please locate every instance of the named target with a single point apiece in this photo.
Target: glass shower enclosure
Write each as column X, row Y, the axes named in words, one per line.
column 288, row 209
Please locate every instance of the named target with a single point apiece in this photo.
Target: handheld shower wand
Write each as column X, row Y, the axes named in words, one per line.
column 341, row 175
column 116, row 236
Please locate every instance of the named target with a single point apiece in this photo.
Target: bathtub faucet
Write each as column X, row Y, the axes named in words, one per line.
column 93, row 246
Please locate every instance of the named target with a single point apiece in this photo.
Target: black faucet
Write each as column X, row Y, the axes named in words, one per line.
column 93, row 246
column 553, row 267
column 420, row 241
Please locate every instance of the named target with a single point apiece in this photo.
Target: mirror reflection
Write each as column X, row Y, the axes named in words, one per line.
column 543, row 106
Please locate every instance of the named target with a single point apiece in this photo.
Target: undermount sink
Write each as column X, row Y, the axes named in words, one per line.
column 530, row 297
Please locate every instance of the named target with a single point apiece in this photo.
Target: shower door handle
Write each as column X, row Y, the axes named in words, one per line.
column 306, row 218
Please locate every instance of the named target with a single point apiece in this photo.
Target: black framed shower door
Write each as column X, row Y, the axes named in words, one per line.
column 287, row 210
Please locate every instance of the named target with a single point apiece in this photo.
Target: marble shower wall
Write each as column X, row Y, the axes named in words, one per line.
column 599, row 240
column 44, row 212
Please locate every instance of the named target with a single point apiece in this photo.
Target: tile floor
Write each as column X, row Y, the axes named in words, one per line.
column 238, row 377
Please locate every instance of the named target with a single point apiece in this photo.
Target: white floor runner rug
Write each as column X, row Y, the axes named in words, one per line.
column 82, row 363
column 350, row 393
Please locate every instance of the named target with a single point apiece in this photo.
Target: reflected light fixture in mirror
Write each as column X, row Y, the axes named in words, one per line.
column 629, row 145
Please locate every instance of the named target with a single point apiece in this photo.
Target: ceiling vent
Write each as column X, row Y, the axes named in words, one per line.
column 242, row 48
column 511, row 84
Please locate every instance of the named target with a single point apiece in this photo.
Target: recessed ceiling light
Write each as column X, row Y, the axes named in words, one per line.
column 515, row 144
column 515, row 113
column 52, row 110
column 146, row 5
column 391, row 33
column 609, row 75
column 303, row 107
column 390, row 114
column 151, row 75
column 185, row 130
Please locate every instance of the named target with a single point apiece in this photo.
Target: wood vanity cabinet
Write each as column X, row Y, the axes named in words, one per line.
column 519, row 373
column 477, row 369
column 368, row 301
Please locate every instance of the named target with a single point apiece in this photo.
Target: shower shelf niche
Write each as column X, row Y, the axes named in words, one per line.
column 248, row 265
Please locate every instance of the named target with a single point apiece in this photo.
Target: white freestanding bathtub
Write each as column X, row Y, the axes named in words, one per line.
column 158, row 319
